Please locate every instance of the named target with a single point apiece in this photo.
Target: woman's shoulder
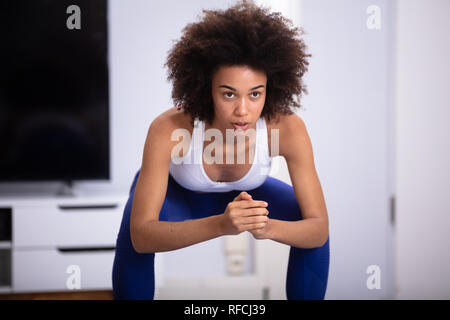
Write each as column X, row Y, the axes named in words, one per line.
column 163, row 127
column 173, row 119
column 281, row 127
column 283, row 121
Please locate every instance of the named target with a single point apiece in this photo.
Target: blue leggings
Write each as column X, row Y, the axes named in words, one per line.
column 133, row 273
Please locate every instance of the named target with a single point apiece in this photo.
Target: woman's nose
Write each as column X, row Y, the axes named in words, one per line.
column 242, row 107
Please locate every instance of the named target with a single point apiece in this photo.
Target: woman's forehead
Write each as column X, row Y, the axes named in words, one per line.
column 238, row 75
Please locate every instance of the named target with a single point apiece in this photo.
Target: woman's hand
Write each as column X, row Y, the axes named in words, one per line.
column 244, row 214
column 258, row 233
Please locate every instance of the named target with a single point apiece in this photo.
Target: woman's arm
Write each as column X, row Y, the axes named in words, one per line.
column 148, row 234
column 159, row 236
column 312, row 231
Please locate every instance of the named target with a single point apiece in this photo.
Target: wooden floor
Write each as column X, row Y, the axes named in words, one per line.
column 79, row 295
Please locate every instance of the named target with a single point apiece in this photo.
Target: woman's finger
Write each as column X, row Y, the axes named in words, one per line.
column 252, row 204
column 243, row 196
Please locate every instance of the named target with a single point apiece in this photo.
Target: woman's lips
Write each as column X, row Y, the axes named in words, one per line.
column 239, row 125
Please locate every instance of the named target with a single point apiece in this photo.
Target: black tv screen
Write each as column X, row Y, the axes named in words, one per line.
column 54, row 90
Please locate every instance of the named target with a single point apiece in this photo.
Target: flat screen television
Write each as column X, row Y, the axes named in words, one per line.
column 54, row 91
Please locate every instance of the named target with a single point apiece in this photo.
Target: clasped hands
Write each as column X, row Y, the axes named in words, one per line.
column 246, row 214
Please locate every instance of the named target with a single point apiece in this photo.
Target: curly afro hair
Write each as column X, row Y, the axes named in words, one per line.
column 244, row 34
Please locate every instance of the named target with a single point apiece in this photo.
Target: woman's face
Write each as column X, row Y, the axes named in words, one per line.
column 238, row 93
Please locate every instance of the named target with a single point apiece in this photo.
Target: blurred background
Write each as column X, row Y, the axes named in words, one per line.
column 376, row 112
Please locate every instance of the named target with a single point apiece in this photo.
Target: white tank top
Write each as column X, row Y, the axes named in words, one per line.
column 188, row 171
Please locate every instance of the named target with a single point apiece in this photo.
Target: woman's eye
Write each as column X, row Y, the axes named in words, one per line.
column 231, row 94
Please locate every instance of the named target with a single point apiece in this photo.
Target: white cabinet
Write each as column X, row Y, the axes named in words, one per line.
column 54, row 270
column 58, row 244
column 66, row 225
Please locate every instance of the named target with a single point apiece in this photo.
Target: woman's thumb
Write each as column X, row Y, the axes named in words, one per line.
column 243, row 196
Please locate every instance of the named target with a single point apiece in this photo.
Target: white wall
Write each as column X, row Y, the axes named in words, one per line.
column 423, row 149
column 348, row 112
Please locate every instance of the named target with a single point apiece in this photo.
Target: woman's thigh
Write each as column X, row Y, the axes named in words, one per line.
column 182, row 204
column 280, row 196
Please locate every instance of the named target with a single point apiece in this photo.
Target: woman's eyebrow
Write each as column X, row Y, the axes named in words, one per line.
column 233, row 89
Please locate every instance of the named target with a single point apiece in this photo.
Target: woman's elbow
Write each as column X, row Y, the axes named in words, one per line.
column 324, row 238
column 139, row 239
column 135, row 240
column 322, row 235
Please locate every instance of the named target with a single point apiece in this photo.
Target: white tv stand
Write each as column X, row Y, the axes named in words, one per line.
column 44, row 240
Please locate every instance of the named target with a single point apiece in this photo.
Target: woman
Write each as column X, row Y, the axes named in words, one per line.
column 236, row 71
